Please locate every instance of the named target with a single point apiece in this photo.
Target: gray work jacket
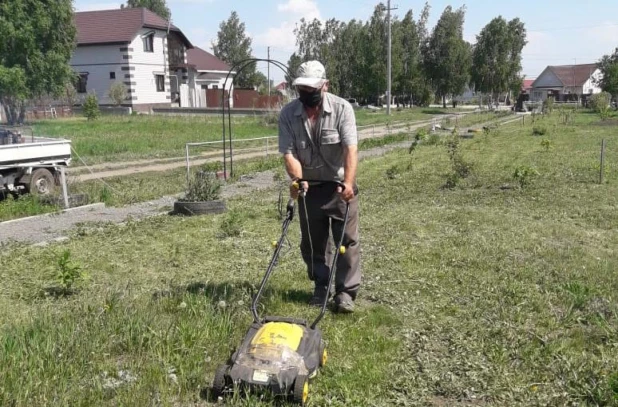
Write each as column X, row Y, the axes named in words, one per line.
column 321, row 156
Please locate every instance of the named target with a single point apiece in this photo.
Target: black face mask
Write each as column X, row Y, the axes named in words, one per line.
column 310, row 99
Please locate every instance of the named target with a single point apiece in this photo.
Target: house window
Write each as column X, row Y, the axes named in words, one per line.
column 112, row 75
column 160, row 80
column 82, row 82
column 148, row 42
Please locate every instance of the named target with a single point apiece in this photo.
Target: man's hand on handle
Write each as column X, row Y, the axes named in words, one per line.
column 296, row 187
column 347, row 193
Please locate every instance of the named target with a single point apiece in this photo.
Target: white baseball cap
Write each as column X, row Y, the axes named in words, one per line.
column 310, row 73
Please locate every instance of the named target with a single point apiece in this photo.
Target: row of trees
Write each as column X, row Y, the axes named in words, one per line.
column 424, row 63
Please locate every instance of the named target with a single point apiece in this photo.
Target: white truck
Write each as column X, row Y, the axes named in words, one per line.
column 31, row 164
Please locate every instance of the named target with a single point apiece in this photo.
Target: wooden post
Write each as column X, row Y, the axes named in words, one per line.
column 602, row 161
column 65, row 195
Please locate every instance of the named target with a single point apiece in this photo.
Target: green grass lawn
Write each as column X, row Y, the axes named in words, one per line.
column 126, row 138
column 484, row 294
column 366, row 117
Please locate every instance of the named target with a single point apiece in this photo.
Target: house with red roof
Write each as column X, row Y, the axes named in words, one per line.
column 566, row 82
column 152, row 57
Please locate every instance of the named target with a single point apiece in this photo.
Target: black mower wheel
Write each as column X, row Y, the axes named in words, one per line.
column 301, row 390
column 219, row 382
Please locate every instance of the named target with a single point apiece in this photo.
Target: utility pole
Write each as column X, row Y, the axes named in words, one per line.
column 388, row 91
column 268, row 63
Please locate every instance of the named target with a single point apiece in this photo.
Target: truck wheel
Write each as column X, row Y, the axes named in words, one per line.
column 42, row 182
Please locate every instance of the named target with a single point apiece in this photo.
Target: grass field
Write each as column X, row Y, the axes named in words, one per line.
column 484, row 294
column 113, row 138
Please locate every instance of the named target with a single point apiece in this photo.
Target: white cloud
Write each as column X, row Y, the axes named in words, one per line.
column 81, row 5
column 202, row 38
column 282, row 36
column 300, row 8
column 603, row 35
column 191, row 1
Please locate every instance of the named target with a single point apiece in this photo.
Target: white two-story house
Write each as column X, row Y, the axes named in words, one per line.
column 140, row 49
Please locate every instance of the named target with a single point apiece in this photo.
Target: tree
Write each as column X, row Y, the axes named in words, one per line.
column 36, row 43
column 447, row 55
column 91, row 106
column 158, row 7
column 118, row 93
column 496, row 58
column 233, row 46
column 608, row 81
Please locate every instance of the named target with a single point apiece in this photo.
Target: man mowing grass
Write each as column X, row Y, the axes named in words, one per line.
column 318, row 140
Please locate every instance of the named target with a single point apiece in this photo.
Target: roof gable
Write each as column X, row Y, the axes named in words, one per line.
column 118, row 26
column 565, row 75
column 205, row 61
column 574, row 75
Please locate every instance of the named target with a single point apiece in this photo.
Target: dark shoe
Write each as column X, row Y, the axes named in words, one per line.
column 344, row 303
column 320, row 294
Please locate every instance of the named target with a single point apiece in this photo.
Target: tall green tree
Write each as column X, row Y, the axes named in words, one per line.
column 409, row 75
column 447, row 56
column 496, row 58
column 233, row 46
column 158, row 7
column 376, row 48
column 608, row 81
column 317, row 41
column 37, row 39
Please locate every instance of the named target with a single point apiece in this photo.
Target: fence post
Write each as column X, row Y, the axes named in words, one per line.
column 602, row 161
column 187, row 159
column 65, row 195
column 267, row 147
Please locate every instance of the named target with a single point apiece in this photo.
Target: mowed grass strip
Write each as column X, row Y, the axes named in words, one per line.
column 481, row 294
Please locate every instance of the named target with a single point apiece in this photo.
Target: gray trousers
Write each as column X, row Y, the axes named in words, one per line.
column 326, row 211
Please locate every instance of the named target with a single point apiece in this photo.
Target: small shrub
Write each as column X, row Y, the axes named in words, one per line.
column 539, row 130
column 460, row 167
column 524, row 175
column 548, row 106
column 546, row 144
column 205, row 186
column 393, row 172
column 68, row 272
column 118, row 93
column 600, row 104
column 231, row 226
column 421, row 134
column 91, row 107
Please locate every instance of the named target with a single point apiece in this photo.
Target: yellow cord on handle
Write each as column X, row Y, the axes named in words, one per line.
column 274, row 244
column 342, row 250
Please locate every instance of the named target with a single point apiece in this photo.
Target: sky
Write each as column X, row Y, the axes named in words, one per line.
column 560, row 32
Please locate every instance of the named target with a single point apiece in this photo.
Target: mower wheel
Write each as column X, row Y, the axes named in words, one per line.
column 219, row 382
column 323, row 354
column 301, row 390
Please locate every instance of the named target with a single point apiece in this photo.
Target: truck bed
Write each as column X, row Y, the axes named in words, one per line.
column 35, row 151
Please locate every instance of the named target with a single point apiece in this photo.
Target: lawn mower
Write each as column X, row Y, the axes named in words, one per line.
column 278, row 354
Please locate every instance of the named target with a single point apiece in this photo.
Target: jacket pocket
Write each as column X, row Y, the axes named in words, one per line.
column 330, row 136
